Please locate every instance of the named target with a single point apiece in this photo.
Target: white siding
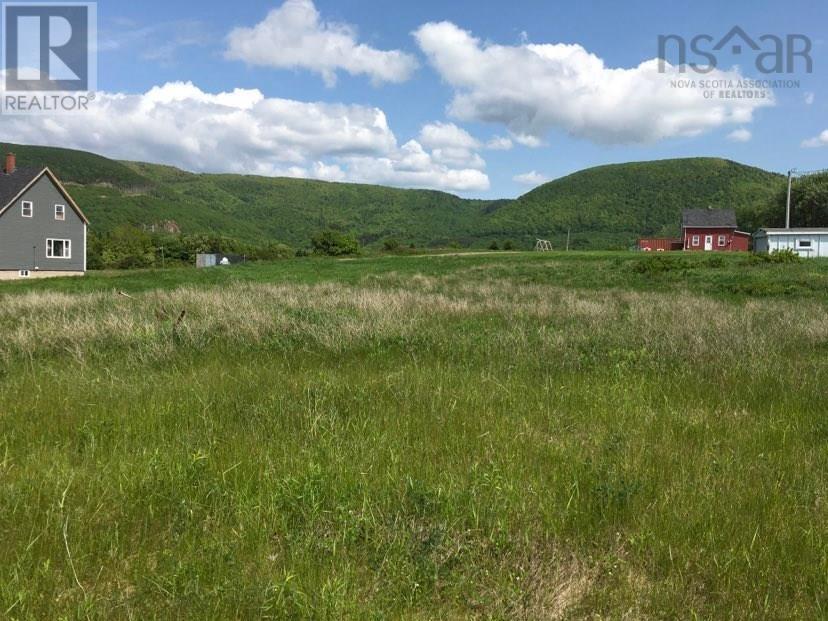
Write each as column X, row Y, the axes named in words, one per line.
column 771, row 242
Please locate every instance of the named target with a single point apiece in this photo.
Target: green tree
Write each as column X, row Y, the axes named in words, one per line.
column 271, row 252
column 127, row 247
column 334, row 243
column 809, row 204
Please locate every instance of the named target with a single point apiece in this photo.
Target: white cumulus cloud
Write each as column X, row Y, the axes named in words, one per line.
column 244, row 132
column 740, row 135
column 294, row 36
column 447, row 135
column 412, row 166
column 817, row 141
column 499, row 143
column 531, row 178
column 451, row 145
column 532, row 89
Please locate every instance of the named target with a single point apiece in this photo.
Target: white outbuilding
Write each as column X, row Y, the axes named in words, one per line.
column 807, row 243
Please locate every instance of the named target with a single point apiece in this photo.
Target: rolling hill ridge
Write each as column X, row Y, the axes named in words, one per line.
column 605, row 207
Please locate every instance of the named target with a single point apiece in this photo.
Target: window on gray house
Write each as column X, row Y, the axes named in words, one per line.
column 58, row 249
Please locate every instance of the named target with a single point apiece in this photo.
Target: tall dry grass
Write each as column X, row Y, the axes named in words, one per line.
column 336, row 316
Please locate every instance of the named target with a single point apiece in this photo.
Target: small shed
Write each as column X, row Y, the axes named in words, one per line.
column 806, row 242
column 218, row 258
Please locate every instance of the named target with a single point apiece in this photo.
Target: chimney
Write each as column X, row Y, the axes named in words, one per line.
column 11, row 163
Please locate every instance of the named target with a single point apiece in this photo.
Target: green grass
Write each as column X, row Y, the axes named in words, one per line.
column 726, row 276
column 503, row 436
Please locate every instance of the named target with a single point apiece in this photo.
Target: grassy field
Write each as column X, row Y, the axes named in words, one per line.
column 500, row 436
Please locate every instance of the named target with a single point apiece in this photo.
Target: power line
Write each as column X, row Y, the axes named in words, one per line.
column 807, row 173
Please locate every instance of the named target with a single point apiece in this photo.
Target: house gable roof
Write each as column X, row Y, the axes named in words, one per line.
column 709, row 218
column 13, row 185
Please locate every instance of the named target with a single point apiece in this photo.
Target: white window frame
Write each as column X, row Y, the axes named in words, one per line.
column 62, row 212
column 67, row 248
column 23, row 273
column 722, row 241
column 23, row 206
column 695, row 241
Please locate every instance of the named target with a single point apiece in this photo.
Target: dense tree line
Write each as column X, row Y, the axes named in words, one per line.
column 809, row 203
column 128, row 247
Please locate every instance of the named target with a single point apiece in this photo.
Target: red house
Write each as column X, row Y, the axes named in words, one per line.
column 712, row 230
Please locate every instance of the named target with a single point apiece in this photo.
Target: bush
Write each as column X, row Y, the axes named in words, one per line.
column 508, row 245
column 272, row 251
column 494, row 246
column 777, row 256
column 334, row 244
column 784, row 256
column 126, row 247
column 391, row 245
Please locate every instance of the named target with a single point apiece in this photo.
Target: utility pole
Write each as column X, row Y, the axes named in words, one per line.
column 568, row 231
column 788, row 204
column 799, row 174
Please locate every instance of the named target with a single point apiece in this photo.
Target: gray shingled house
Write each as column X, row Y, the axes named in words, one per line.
column 42, row 230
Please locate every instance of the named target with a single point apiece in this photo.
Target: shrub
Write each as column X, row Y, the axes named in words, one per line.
column 391, row 245
column 126, row 247
column 508, row 245
column 334, row 244
column 494, row 246
column 784, row 256
column 273, row 251
column 777, row 256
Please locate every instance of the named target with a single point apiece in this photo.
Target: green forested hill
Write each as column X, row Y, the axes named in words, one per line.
column 605, row 207
column 77, row 166
column 624, row 201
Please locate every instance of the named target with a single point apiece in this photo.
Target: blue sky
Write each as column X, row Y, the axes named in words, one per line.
column 451, row 77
